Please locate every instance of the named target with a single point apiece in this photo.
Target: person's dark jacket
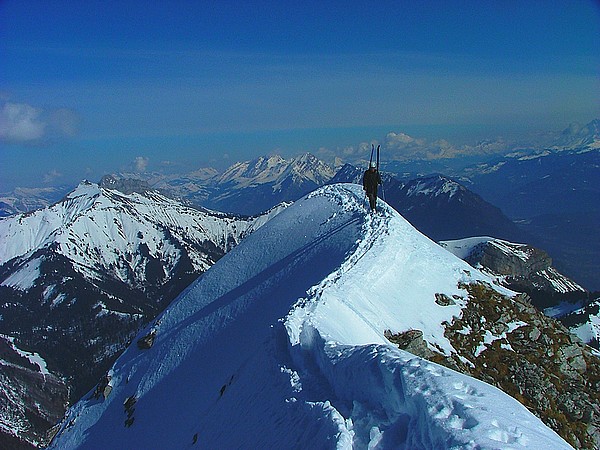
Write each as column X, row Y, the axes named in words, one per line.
column 371, row 179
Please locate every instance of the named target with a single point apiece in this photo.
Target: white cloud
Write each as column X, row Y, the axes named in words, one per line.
column 141, row 163
column 21, row 122
column 398, row 138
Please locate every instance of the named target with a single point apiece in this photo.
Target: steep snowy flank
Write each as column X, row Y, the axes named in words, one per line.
column 94, row 226
column 281, row 344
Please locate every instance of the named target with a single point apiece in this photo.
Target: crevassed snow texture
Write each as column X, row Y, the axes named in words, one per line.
column 280, row 345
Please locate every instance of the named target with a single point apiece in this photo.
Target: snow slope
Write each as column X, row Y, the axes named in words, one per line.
column 281, row 345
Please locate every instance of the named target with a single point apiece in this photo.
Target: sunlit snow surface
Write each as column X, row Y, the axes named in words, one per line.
column 281, row 345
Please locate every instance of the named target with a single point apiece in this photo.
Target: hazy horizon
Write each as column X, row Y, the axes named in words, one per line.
column 90, row 88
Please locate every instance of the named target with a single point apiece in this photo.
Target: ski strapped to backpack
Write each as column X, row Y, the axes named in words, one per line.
column 371, row 158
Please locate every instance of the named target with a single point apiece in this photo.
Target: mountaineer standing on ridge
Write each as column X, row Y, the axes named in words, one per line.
column 371, row 179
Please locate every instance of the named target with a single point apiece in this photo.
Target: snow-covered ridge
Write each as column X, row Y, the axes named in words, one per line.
column 463, row 248
column 281, row 344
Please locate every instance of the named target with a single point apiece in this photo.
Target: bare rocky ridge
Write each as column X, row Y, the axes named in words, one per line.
column 524, row 268
column 508, row 343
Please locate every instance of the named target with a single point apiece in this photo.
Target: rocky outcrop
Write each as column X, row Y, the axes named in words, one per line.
column 517, row 261
column 124, row 185
column 508, row 343
column 519, row 267
column 147, row 341
column 412, row 341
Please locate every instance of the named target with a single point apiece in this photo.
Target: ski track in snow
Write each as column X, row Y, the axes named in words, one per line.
column 281, row 345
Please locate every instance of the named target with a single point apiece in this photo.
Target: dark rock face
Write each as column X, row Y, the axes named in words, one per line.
column 124, row 185
column 523, row 268
column 412, row 341
column 147, row 341
column 516, row 261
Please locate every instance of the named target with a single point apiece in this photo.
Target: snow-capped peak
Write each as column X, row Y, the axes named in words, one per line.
column 580, row 137
column 282, row 344
column 102, row 228
column 263, row 169
column 275, row 169
column 434, row 185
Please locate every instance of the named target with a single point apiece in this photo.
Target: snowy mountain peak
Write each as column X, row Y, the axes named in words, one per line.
column 254, row 186
column 262, row 168
column 309, row 167
column 275, row 169
column 433, row 186
column 92, row 219
column 283, row 343
column 578, row 137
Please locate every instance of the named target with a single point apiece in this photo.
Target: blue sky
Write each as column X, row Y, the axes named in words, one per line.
column 98, row 86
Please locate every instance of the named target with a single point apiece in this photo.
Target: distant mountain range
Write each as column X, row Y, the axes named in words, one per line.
column 579, row 137
column 245, row 188
column 546, row 192
column 22, row 200
column 252, row 187
column 555, row 198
